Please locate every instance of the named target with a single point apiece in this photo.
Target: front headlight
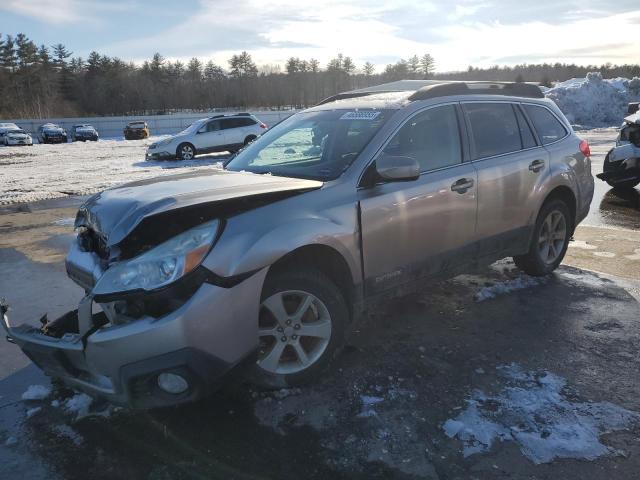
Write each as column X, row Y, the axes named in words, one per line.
column 161, row 265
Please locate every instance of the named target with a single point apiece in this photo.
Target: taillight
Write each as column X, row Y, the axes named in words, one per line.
column 263, row 125
column 584, row 148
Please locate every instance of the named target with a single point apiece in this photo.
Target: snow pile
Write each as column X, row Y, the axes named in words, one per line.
column 532, row 411
column 594, row 101
column 79, row 405
column 519, row 283
column 36, row 392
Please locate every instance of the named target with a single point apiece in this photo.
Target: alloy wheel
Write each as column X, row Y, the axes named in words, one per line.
column 553, row 236
column 294, row 331
column 186, row 152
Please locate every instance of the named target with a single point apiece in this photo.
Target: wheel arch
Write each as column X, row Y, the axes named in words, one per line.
column 566, row 194
column 327, row 260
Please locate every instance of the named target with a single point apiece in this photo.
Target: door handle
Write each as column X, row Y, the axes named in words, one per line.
column 462, row 185
column 536, row 165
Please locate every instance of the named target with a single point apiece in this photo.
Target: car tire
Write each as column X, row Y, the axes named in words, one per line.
column 549, row 241
column 249, row 139
column 288, row 357
column 185, row 151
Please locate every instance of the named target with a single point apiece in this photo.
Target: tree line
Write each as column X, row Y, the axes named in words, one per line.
column 49, row 81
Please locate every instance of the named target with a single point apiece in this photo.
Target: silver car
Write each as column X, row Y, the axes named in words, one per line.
column 262, row 266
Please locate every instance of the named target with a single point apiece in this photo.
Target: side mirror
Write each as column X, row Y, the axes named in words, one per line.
column 397, row 168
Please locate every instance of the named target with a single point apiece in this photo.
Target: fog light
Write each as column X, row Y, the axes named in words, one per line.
column 172, row 383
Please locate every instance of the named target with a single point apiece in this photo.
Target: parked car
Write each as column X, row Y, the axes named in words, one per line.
column 219, row 133
column 621, row 168
column 265, row 264
column 4, row 127
column 16, row 136
column 52, row 133
column 83, row 132
column 136, row 130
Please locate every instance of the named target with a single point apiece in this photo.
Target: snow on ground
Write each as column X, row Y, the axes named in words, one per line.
column 36, row 392
column 40, row 172
column 519, row 283
column 594, row 101
column 532, row 411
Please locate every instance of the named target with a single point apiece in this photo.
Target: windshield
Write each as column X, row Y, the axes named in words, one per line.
column 315, row 145
column 193, row 128
column 15, row 131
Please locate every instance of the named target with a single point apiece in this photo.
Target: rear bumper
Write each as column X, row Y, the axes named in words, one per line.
column 202, row 341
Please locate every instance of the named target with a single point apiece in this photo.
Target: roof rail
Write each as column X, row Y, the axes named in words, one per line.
column 216, row 116
column 513, row 89
column 243, row 114
column 344, row 96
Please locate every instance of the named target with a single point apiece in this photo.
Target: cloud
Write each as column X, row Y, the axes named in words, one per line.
column 61, row 11
column 478, row 32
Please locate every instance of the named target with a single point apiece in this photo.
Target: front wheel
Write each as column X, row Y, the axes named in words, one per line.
column 185, row 152
column 549, row 241
column 301, row 327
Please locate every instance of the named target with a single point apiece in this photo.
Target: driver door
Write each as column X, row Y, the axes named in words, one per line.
column 210, row 137
column 414, row 229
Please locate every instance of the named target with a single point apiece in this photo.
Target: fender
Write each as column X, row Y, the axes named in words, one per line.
column 251, row 250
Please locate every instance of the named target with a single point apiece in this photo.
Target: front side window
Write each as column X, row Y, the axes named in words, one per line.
column 213, row 126
column 546, row 124
column 494, row 129
column 431, row 137
column 317, row 145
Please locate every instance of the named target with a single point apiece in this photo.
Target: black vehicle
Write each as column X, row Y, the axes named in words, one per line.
column 621, row 167
column 83, row 132
column 52, row 133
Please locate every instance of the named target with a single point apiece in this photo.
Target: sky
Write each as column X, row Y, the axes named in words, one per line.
column 457, row 33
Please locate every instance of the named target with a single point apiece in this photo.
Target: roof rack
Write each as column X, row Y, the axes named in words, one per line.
column 426, row 89
column 216, row 116
column 243, row 114
column 512, row 89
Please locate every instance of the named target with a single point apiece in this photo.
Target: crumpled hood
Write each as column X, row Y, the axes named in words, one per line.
column 115, row 212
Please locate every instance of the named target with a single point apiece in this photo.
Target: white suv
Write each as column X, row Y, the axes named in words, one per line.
column 219, row 133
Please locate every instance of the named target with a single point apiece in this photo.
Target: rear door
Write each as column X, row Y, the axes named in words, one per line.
column 233, row 131
column 511, row 168
column 209, row 137
column 411, row 230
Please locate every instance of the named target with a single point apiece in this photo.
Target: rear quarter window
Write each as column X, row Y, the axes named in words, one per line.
column 494, row 129
column 547, row 126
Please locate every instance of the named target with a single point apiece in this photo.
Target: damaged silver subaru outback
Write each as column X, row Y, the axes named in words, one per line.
column 263, row 265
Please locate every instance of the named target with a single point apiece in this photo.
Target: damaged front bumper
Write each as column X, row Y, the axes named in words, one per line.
column 621, row 165
column 202, row 342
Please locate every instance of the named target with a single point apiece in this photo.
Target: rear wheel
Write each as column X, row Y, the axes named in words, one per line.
column 185, row 151
column 549, row 241
column 249, row 139
column 301, row 324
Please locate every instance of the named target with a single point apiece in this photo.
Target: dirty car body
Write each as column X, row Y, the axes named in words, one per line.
column 179, row 271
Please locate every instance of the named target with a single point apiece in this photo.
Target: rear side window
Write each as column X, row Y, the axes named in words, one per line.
column 528, row 140
column 236, row 123
column 431, row 137
column 546, row 124
column 494, row 128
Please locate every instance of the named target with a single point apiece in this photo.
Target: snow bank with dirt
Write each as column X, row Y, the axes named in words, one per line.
column 593, row 101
